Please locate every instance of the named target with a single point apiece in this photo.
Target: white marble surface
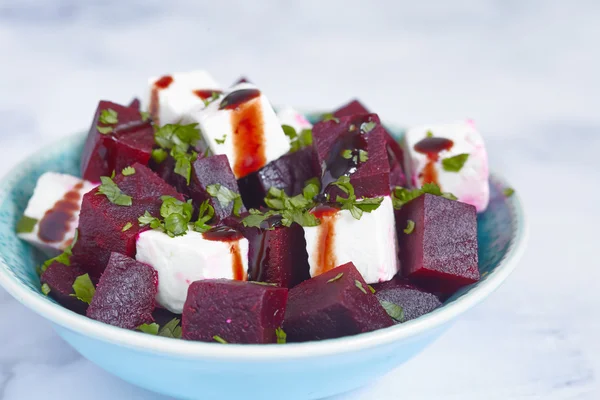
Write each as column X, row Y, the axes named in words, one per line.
column 527, row 71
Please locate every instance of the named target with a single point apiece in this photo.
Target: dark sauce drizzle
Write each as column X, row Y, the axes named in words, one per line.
column 431, row 147
column 55, row 223
column 154, row 106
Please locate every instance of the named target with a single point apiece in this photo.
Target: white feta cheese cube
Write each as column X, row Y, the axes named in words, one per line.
column 246, row 130
column 291, row 117
column 470, row 183
column 181, row 260
column 170, row 96
column 53, row 212
column 370, row 243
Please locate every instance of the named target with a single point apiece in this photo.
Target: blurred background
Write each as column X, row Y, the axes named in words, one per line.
column 527, row 71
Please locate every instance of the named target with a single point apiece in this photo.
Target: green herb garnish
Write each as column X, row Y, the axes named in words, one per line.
column 281, row 336
column 401, row 196
column 393, row 310
column 183, row 163
column 371, row 288
column 144, row 115
column 214, row 96
column 105, row 130
column 219, row 339
column 84, row 288
column 367, row 127
column 112, row 192
column 508, row 192
column 335, row 278
column 63, row 258
column 151, row 329
column 128, row 171
column 455, row 164
column 159, row 155
column 330, row 117
column 429, row 134
column 351, row 203
column 171, row 329
column 180, row 141
column 225, row 197
column 298, row 140
column 127, row 227
column 359, row 286
column 45, row 289
column 221, row 141
column 410, row 227
column 176, row 216
column 109, row 117
column 205, row 214
column 26, row 224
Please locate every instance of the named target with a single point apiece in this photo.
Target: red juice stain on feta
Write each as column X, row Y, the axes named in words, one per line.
column 325, row 251
column 248, row 130
column 226, row 234
column 345, row 155
column 431, row 147
column 55, row 223
column 154, row 106
column 205, row 93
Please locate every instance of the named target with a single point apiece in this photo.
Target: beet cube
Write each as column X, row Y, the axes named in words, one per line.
column 102, row 223
column 236, row 311
column 125, row 294
column 166, row 170
column 135, row 104
column 289, row 173
column 395, row 153
column 332, row 138
column 278, row 256
column 440, row 254
column 414, row 301
column 60, row 279
column 130, row 140
column 334, row 304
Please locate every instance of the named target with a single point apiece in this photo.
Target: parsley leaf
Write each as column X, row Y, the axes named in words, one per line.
column 148, row 219
column 429, row 134
column 144, row 115
column 110, row 189
column 84, row 288
column 214, row 96
column 281, row 336
column 180, row 137
column 219, row 339
column 105, row 130
column 221, row 141
column 508, row 192
column 359, row 285
column 401, row 196
column 410, row 227
column 226, row 196
column 455, row 164
column 367, row 127
column 26, row 224
column 335, row 278
column 127, row 227
column 393, row 310
column 109, row 117
column 205, row 214
column 151, row 329
column 330, row 117
column 371, row 288
column 176, row 216
column 183, row 163
column 171, row 329
column 159, row 155
column 63, row 258
column 298, row 141
column 45, row 289
column 128, row 171
column 351, row 203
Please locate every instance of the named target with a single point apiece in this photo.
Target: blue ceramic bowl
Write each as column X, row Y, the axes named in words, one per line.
column 195, row 370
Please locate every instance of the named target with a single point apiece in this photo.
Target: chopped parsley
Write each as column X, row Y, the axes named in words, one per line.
column 183, row 163
column 371, row 288
column 26, row 224
column 110, row 189
column 298, row 140
column 362, row 155
column 109, row 117
column 180, row 140
column 335, row 278
column 401, row 196
column 159, row 155
column 171, row 329
column 84, row 289
column 330, row 117
column 176, row 215
column 225, row 197
column 105, row 130
column 144, row 115
column 455, row 164
column 351, row 203
column 214, row 96
column 219, row 339
column 367, row 127
column 205, row 214
column 429, row 134
column 63, row 258
column 221, row 141
column 45, row 289
column 128, row 171
column 393, row 310
column 359, row 286
column 127, row 227
column 410, row 227
column 151, row 329
column 281, row 336
column 508, row 192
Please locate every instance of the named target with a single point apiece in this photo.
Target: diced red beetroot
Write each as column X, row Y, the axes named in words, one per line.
column 162, row 316
column 60, row 279
column 414, row 301
column 395, row 153
column 278, row 256
column 440, row 254
column 241, row 79
column 289, row 173
column 101, row 222
column 135, row 104
column 166, row 170
column 125, row 294
column 334, row 304
column 130, row 141
column 331, row 138
column 236, row 311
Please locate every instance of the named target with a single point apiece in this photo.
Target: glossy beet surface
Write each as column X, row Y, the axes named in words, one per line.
column 60, row 279
column 332, row 138
column 334, row 304
column 289, row 173
column 237, row 312
column 130, row 140
column 101, row 222
column 125, row 294
column 414, row 301
column 440, row 254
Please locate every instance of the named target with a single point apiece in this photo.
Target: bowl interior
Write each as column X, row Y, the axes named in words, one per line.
column 500, row 228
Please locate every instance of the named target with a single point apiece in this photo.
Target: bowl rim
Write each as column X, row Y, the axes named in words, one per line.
column 249, row 352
